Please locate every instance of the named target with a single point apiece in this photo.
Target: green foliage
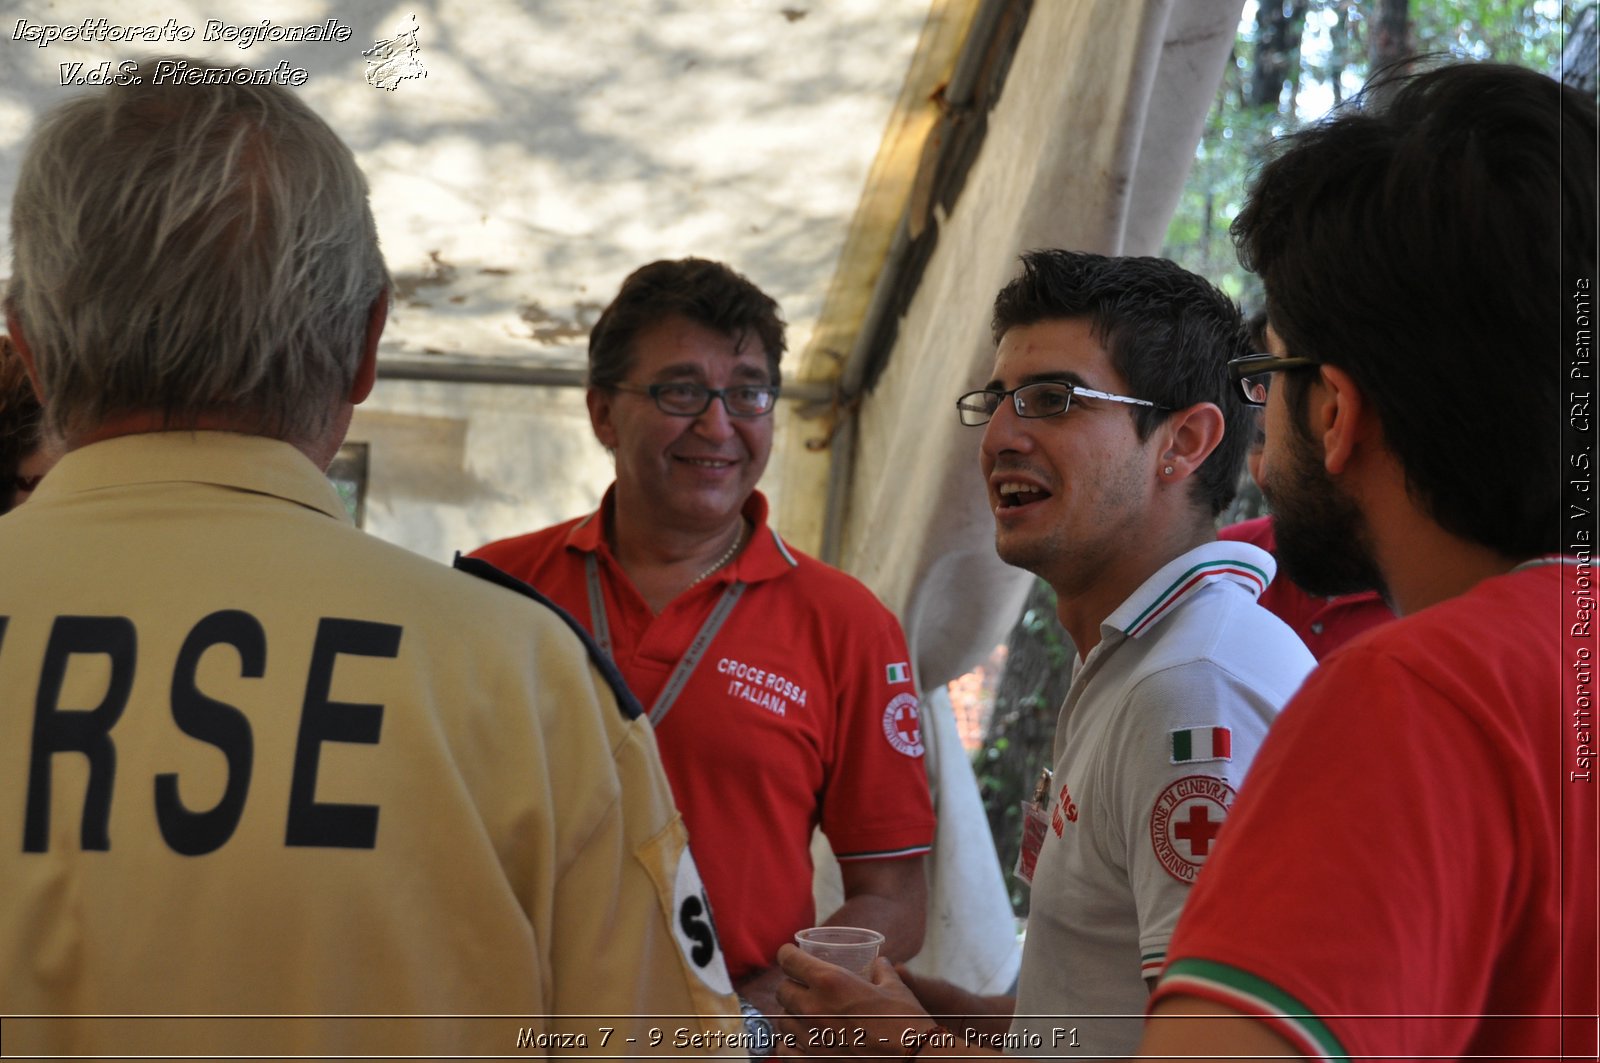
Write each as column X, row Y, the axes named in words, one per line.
column 1019, row 736
column 1330, row 66
column 1528, row 34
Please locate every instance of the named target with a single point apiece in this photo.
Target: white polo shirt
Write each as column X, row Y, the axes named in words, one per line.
column 1159, row 726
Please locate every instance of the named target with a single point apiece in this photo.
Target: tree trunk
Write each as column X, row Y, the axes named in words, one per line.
column 1339, row 51
column 1583, row 52
column 1390, row 40
column 1279, row 26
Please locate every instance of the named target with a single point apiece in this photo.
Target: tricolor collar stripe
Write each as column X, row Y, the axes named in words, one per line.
column 1185, row 583
column 1249, row 995
column 783, row 549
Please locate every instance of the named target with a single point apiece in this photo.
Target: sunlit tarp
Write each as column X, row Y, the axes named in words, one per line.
column 1087, row 148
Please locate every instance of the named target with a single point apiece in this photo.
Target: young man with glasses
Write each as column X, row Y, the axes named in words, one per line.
column 780, row 687
column 1430, row 891
column 1112, row 437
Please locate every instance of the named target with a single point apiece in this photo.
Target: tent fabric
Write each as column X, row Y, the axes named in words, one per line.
column 971, row 937
column 1087, row 148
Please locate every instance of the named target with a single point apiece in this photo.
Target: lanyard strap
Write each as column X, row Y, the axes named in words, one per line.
column 597, row 605
column 691, row 657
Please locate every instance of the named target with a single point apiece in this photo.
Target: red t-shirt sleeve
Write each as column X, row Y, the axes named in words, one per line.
column 1354, row 876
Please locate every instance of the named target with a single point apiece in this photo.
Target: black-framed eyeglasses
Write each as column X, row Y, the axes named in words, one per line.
column 1044, row 399
column 685, row 399
column 1254, row 373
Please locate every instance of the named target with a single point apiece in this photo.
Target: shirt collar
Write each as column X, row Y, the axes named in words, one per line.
column 765, row 557
column 226, row 459
column 1249, row 566
column 1547, row 559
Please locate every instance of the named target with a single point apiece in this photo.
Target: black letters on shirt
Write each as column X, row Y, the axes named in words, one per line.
column 86, row 731
column 694, row 917
column 215, row 723
column 338, row 826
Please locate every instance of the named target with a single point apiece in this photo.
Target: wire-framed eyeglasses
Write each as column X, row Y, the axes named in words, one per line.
column 1044, row 399
column 685, row 399
column 1254, row 373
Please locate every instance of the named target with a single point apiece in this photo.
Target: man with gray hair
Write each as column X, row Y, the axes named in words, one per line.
column 254, row 762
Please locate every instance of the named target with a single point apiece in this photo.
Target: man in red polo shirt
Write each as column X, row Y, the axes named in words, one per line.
column 780, row 688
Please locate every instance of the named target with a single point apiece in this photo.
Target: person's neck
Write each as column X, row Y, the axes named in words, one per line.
column 664, row 561
column 320, row 451
column 1083, row 608
column 1423, row 564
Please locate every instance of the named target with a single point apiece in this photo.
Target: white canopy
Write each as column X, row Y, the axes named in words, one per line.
column 876, row 165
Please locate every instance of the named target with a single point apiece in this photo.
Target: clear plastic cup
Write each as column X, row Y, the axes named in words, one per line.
column 851, row 947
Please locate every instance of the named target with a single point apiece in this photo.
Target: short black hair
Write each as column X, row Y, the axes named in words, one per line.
column 708, row 293
column 1420, row 245
column 1256, row 326
column 1170, row 334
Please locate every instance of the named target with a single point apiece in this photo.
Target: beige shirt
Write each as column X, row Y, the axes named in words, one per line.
column 254, row 762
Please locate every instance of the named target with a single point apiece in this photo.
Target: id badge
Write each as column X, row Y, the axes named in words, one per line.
column 1035, row 821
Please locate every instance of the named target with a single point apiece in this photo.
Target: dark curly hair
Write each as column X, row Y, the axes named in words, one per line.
column 707, row 293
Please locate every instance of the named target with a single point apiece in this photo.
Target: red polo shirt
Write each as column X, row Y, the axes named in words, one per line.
column 801, row 711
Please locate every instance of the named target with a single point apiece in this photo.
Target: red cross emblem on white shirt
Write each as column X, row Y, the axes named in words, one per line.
column 1198, row 829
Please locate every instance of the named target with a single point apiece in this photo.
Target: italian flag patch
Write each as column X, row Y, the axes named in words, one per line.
column 1202, row 743
column 897, row 673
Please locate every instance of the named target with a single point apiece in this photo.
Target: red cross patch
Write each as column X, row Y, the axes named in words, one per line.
column 902, row 725
column 1185, row 822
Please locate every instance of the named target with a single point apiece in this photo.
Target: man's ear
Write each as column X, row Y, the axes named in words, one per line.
column 367, row 371
column 1336, row 415
column 19, row 340
column 601, row 405
column 1191, row 434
